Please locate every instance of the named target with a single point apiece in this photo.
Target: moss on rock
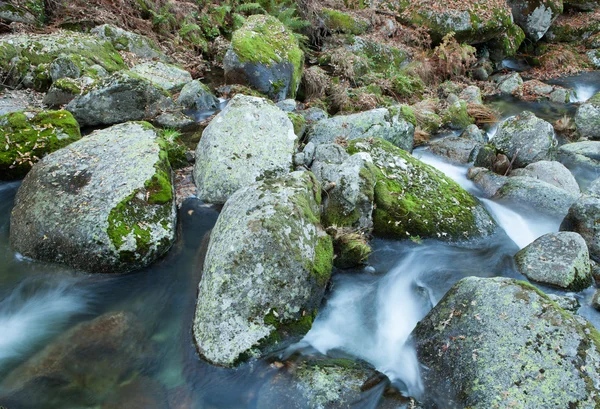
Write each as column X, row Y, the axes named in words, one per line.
column 341, row 22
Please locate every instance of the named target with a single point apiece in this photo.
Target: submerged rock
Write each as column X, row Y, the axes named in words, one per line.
column 27, row 136
column 266, row 56
column 414, row 199
column 526, row 138
column 559, row 259
column 165, row 76
column 249, row 140
column 265, row 272
column 497, row 342
column 124, row 40
column 395, row 125
column 121, row 97
column 103, row 204
column 582, row 218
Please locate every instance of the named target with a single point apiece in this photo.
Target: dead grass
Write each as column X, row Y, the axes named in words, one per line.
column 482, row 114
column 421, row 137
column 566, row 128
column 315, row 82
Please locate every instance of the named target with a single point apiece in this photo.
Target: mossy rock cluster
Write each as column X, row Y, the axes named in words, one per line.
column 26, row 137
column 414, row 199
column 23, row 11
column 340, row 22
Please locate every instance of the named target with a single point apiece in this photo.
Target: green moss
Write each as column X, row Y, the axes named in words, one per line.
column 457, row 116
column 24, row 141
column 406, row 85
column 299, row 123
column 351, row 250
column 265, row 40
column 283, row 329
column 323, row 261
column 409, row 114
column 340, row 22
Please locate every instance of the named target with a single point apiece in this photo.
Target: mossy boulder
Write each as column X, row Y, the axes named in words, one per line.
column 414, row 199
column 583, row 5
column 506, row 44
column 124, row 40
column 472, row 21
column 501, row 343
column 526, row 138
column 103, row 204
column 340, row 22
column 26, row 137
column 250, row 139
column 65, row 90
column 266, row 268
column 122, row 97
column 25, row 59
column 558, row 259
column 23, row 11
column 396, row 125
column 456, row 115
column 166, row 76
column 456, row 148
column 266, row 56
column 535, row 16
column 322, row 382
column 574, row 28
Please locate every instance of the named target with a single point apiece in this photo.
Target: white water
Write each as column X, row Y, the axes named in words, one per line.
column 34, row 311
column 584, row 92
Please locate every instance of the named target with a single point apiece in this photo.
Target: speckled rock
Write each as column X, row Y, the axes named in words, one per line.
column 529, row 138
column 321, row 382
column 558, row 259
column 394, row 125
column 249, row 140
column 507, row 84
column 587, row 118
column 471, row 95
column 266, row 268
column 124, row 40
column 197, row 96
column 581, row 218
column 566, row 302
column 594, row 188
column 486, row 180
column 65, row 90
column 102, row 204
column 552, row 172
column 287, row 105
column 536, row 195
column 414, row 199
column 26, row 136
column 583, row 159
column 122, row 97
column 501, row 343
column 456, row 148
column 473, row 133
column 265, row 56
column 166, row 76
column 535, row 16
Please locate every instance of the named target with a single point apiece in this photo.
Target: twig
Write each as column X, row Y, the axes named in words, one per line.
column 510, row 165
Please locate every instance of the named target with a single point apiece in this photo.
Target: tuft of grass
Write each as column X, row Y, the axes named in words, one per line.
column 482, row 114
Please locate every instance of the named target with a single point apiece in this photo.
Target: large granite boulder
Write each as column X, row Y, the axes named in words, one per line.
column 28, row 136
column 587, row 118
column 249, row 140
column 535, row 16
column 559, row 259
column 265, row 272
column 123, row 40
column 552, row 172
column 165, row 76
column 395, row 125
column 103, row 204
column 581, row 218
column 501, row 343
column 414, row 199
column 457, row 149
column 122, row 97
column 525, row 137
column 266, row 56
column 196, row 96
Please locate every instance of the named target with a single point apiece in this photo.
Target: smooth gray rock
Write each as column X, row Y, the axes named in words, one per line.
column 472, row 132
column 587, row 118
column 197, row 96
column 389, row 125
column 119, row 98
column 456, row 149
column 558, row 259
column 103, row 204
column 552, row 172
column 583, row 159
column 287, row 105
column 594, row 188
column 266, row 268
column 174, row 120
column 507, row 84
column 64, row 67
column 471, row 95
column 166, row 76
column 582, row 218
column 528, row 137
column 501, row 343
column 313, row 114
column 250, row 139
column 486, row 180
column 309, row 153
column 536, row 195
column 124, row 40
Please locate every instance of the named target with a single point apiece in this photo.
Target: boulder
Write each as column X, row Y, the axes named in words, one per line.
column 339, row 22
column 486, row 180
column 395, row 125
column 124, row 40
column 65, row 90
column 103, row 204
column 574, row 28
column 26, row 136
column 165, row 76
column 472, row 21
column 122, row 97
column 526, row 138
column 249, row 140
column 472, row 132
column 197, row 96
column 504, row 46
column 25, row 59
column 501, row 343
column 321, row 382
column 509, row 83
column 582, row 158
column 587, row 118
column 414, row 199
column 19, row 100
column 456, row 148
column 266, row 56
column 552, row 172
column 583, row 5
column 82, row 366
column 265, row 272
column 23, row 11
column 536, row 195
column 558, row 259
column 535, row 16
column 581, row 218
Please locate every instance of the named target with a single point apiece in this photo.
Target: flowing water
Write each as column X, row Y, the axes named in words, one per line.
column 369, row 313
